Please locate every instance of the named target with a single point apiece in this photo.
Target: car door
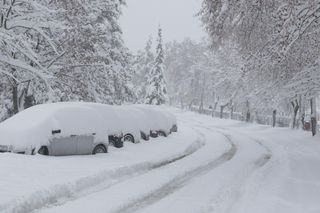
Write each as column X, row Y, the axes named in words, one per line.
column 85, row 145
column 63, row 146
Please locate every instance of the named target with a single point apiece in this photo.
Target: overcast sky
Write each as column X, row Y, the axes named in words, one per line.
column 141, row 18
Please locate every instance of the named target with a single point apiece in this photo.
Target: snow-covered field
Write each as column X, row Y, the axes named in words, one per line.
column 210, row 165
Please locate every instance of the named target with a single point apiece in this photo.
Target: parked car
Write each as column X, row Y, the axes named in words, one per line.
column 136, row 123
column 171, row 118
column 159, row 122
column 55, row 129
column 82, row 128
column 112, row 122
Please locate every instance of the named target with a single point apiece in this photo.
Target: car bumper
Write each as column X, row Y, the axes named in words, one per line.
column 10, row 149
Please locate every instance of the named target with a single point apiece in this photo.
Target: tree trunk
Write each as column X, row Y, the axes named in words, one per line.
column 295, row 106
column 15, row 99
column 248, row 114
column 313, row 116
column 190, row 105
column 231, row 112
column 221, row 111
column 201, row 103
column 215, row 107
column 274, row 118
column 301, row 112
column 181, row 103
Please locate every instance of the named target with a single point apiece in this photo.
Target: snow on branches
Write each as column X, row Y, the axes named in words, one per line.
column 278, row 42
column 156, row 92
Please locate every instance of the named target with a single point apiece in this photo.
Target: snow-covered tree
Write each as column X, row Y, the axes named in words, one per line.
column 28, row 49
column 53, row 50
column 188, row 72
column 142, row 65
column 97, row 64
column 156, row 92
column 277, row 40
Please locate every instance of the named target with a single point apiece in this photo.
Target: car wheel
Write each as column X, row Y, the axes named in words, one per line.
column 116, row 142
column 99, row 149
column 162, row 134
column 154, row 134
column 43, row 150
column 145, row 136
column 128, row 138
column 174, row 128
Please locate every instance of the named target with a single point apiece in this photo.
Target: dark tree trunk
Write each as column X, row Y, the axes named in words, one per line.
column 313, row 116
column 15, row 99
column 248, row 114
column 231, row 112
column 29, row 101
column 274, row 118
column 221, row 111
column 303, row 121
column 301, row 112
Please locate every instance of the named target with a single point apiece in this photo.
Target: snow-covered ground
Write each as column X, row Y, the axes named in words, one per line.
column 210, row 165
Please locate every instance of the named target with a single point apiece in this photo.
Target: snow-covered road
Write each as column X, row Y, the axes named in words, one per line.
column 210, row 165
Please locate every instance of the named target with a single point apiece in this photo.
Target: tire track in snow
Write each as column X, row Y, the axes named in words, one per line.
column 232, row 192
column 64, row 193
column 178, row 182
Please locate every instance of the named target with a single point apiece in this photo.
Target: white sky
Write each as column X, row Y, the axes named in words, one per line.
column 141, row 18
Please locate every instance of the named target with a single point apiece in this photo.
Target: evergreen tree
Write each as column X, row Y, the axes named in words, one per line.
column 156, row 92
column 142, row 65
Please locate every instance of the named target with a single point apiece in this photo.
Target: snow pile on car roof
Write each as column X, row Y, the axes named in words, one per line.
column 159, row 117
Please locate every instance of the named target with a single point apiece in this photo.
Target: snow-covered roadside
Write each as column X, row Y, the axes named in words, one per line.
column 30, row 182
column 288, row 182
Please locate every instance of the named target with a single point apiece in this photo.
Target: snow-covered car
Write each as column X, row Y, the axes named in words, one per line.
column 124, row 121
column 82, row 128
column 171, row 118
column 112, row 121
column 135, row 124
column 55, row 129
column 160, row 121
